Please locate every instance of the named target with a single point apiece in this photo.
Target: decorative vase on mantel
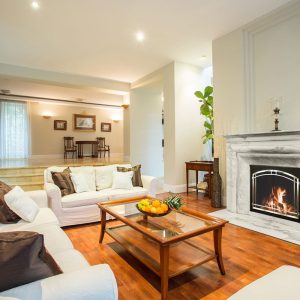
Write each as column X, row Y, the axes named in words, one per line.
column 216, row 200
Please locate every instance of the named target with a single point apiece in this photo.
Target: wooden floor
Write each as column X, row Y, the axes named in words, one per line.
column 247, row 255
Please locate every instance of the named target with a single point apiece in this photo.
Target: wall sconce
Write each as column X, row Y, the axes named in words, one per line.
column 116, row 119
column 125, row 106
column 47, row 115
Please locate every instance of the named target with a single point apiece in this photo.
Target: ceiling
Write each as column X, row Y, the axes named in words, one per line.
column 97, row 37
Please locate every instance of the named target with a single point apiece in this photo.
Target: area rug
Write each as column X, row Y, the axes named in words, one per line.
column 268, row 227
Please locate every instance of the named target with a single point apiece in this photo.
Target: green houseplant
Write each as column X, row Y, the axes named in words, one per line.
column 206, row 109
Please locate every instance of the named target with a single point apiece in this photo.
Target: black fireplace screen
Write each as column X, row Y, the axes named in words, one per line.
column 275, row 191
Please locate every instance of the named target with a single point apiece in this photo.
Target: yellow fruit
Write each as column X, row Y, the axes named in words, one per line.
column 156, row 203
column 153, row 210
column 164, row 207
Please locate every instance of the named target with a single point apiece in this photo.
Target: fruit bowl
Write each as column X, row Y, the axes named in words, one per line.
column 153, row 207
column 150, row 214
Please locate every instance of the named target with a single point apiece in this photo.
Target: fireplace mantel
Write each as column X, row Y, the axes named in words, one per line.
column 270, row 134
column 280, row 148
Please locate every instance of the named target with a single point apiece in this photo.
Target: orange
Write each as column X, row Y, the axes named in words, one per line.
column 159, row 210
column 156, row 203
column 153, row 210
column 164, row 207
column 147, row 209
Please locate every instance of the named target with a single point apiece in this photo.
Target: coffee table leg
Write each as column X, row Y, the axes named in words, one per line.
column 164, row 271
column 103, row 225
column 218, row 249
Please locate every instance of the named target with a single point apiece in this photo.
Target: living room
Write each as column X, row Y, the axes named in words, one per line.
column 104, row 167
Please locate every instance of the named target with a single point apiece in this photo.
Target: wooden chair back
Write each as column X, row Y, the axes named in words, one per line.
column 68, row 142
column 101, row 142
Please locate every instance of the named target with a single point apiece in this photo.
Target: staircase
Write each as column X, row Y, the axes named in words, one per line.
column 28, row 178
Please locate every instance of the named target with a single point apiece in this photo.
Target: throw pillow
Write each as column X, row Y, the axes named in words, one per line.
column 21, row 204
column 89, row 174
column 24, row 259
column 104, row 176
column 64, row 182
column 80, row 182
column 137, row 177
column 6, row 214
column 122, row 180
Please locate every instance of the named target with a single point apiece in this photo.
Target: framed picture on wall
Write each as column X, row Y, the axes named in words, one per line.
column 60, row 125
column 106, row 127
column 85, row 122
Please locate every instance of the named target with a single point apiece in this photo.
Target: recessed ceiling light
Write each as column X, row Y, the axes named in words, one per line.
column 140, row 36
column 35, row 5
column 203, row 57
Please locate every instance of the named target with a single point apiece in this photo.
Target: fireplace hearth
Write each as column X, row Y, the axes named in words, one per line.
column 275, row 191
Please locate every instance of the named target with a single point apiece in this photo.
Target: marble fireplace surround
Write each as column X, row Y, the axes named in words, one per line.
column 273, row 149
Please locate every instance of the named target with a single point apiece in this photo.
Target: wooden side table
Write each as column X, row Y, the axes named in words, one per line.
column 199, row 165
column 80, row 148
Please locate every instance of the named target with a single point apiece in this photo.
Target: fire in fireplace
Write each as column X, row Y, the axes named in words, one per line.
column 275, row 191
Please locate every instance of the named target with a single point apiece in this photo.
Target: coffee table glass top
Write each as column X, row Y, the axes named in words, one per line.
column 173, row 224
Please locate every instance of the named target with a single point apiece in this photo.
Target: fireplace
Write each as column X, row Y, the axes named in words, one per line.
column 275, row 191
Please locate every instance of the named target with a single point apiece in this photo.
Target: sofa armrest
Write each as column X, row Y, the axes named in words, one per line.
column 39, row 197
column 150, row 183
column 54, row 196
column 95, row 282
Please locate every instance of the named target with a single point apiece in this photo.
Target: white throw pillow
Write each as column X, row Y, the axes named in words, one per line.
column 104, row 176
column 20, row 203
column 89, row 174
column 122, row 180
column 80, row 183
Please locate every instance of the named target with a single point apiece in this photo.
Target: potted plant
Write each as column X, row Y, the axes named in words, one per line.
column 206, row 109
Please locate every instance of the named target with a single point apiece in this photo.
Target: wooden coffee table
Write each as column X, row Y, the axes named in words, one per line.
column 166, row 245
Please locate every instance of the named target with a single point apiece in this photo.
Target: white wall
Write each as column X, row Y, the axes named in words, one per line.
column 146, row 130
column 252, row 65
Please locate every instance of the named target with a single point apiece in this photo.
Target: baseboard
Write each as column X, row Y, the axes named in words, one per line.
column 179, row 188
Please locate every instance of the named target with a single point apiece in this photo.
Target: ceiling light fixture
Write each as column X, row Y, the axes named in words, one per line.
column 35, row 5
column 203, row 57
column 140, row 36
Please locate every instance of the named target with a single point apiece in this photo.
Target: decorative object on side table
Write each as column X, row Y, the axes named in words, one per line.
column 106, row 127
column 60, row 125
column 216, row 200
column 158, row 208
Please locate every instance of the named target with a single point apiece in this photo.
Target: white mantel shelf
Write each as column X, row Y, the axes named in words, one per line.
column 271, row 134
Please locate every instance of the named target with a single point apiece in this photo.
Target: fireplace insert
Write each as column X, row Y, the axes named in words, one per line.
column 275, row 191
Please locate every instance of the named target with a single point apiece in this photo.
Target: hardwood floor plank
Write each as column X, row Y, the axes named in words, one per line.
column 247, row 256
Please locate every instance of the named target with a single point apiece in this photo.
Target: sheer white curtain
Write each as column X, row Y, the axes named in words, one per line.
column 14, row 129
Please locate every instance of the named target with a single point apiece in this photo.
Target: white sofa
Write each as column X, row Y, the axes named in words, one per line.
column 282, row 283
column 79, row 280
column 80, row 208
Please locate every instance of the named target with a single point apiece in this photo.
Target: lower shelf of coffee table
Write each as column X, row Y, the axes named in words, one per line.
column 183, row 255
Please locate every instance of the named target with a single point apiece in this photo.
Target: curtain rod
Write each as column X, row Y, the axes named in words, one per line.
column 59, row 100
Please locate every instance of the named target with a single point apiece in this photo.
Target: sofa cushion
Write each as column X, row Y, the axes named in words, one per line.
column 44, row 216
column 282, row 283
column 122, row 180
column 21, row 204
column 122, row 193
column 24, row 259
column 70, row 260
column 89, row 173
column 82, row 199
column 6, row 214
column 64, row 182
column 56, row 241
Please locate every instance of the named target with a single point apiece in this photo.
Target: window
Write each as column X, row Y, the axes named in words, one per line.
column 14, row 130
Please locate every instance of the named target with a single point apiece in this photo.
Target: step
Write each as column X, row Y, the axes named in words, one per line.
column 16, row 179
column 19, row 171
column 30, row 186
